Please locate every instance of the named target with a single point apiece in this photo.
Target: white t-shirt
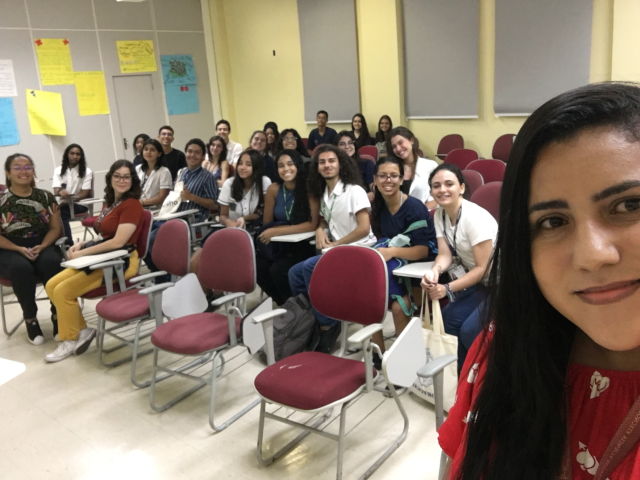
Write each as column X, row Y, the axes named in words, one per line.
column 475, row 226
column 74, row 184
column 420, row 187
column 339, row 210
column 249, row 201
column 157, row 180
column 234, row 150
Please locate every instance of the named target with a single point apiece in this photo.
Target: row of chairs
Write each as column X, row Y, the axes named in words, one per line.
column 500, row 151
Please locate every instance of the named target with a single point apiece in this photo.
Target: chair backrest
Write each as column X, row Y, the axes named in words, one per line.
column 420, row 153
column 369, row 150
column 368, row 157
column 349, row 283
column 172, row 248
column 450, row 142
column 228, row 261
column 305, row 141
column 490, row 169
column 473, row 180
column 488, row 197
column 502, row 147
column 231, row 171
column 461, row 157
column 145, row 229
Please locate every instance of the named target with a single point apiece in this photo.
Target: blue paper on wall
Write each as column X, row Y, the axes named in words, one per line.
column 178, row 70
column 181, row 99
column 9, row 134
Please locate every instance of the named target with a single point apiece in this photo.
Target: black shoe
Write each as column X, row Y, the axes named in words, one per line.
column 377, row 361
column 34, row 333
column 211, row 298
column 328, row 337
column 54, row 320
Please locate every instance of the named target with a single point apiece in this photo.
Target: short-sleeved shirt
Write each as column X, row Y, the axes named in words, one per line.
column 367, row 168
column 74, row 184
column 175, row 161
column 26, row 217
column 412, row 210
column 129, row 211
column 339, row 210
column 284, row 204
column 157, row 180
column 234, row 149
column 249, row 202
column 475, row 226
column 316, row 139
column 419, row 186
column 202, row 184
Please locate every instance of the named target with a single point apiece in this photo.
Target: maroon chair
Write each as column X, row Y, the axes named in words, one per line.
column 461, row 157
column 490, row 169
column 231, row 171
column 502, row 147
column 369, row 150
column 449, row 143
column 473, row 180
column 305, row 141
column 488, row 197
column 368, row 157
column 420, row 153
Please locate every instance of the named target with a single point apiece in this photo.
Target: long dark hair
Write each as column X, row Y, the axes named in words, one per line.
column 271, row 149
column 134, row 192
column 406, row 133
column 378, row 203
column 364, row 138
column 301, row 211
column 7, row 168
column 160, row 161
column 520, row 428
column 380, row 135
column 300, row 148
column 346, row 133
column 257, row 165
column 223, row 153
column 456, row 171
column 82, row 164
column 144, row 138
column 349, row 171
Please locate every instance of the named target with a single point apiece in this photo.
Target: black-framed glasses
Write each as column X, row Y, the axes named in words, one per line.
column 382, row 177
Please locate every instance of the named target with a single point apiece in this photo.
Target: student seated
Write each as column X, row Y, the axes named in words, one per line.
column 30, row 227
column 234, row 149
column 154, row 177
column 271, row 131
column 360, row 131
column 406, row 233
column 287, row 203
column 290, row 140
column 321, row 135
column 72, row 179
column 384, row 127
column 346, row 142
column 258, row 141
column 138, row 144
column 334, row 182
column 117, row 225
column 174, row 159
column 466, row 233
column 216, row 162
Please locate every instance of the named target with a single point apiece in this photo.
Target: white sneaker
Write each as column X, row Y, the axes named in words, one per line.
column 85, row 338
column 64, row 350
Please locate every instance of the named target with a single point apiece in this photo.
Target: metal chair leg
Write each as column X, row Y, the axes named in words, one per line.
column 8, row 332
column 343, row 421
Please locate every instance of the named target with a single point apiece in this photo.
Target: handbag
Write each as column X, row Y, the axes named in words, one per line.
column 173, row 200
column 438, row 343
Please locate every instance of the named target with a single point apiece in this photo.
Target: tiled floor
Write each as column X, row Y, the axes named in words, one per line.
column 78, row 420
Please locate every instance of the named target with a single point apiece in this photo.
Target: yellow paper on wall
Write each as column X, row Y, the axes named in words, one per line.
column 46, row 116
column 136, row 56
column 91, row 92
column 54, row 61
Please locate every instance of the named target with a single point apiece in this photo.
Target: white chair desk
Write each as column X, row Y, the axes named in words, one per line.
column 294, row 237
column 171, row 216
column 414, row 270
column 84, row 262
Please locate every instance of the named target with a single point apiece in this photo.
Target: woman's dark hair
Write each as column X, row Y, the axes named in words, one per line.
column 349, row 171
column 160, row 162
column 271, row 149
column 456, row 171
column 82, row 164
column 196, row 141
column 380, row 135
column 223, row 153
column 364, row 138
column 134, row 192
column 301, row 211
column 144, row 138
column 406, row 133
column 257, row 165
column 350, row 134
column 300, row 148
column 7, row 168
column 520, row 427
column 378, row 203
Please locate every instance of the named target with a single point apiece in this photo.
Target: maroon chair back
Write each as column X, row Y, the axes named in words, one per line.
column 172, row 248
column 349, row 283
column 473, row 180
column 369, row 150
column 448, row 143
column 502, row 147
column 228, row 262
column 3, row 188
column 145, row 229
column 488, row 197
column 461, row 157
column 368, row 157
column 231, row 171
column 305, row 141
column 490, row 169
column 420, row 153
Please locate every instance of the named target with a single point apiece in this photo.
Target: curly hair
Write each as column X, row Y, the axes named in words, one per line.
column 301, row 210
column 349, row 171
column 134, row 192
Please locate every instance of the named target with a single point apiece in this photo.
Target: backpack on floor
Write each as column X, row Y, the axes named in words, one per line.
column 294, row 331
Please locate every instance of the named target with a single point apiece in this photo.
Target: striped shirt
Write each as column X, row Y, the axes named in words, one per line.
column 202, row 184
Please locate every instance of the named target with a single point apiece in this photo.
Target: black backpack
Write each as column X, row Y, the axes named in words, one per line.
column 296, row 330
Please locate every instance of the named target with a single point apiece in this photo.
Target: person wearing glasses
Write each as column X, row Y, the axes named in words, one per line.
column 290, row 140
column 30, row 226
column 117, row 226
column 346, row 141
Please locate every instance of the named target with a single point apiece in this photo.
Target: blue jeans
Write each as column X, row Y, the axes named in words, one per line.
column 299, row 280
column 152, row 238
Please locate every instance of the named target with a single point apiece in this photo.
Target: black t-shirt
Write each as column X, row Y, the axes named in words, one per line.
column 174, row 161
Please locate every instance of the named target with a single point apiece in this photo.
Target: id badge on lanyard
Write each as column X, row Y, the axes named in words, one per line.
column 456, row 270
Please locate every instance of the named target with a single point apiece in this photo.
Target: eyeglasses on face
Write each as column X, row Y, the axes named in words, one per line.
column 346, row 144
column 290, row 139
column 26, row 168
column 121, row 178
column 382, row 177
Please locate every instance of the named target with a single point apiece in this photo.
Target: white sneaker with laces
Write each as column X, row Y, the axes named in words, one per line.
column 64, row 350
column 85, row 338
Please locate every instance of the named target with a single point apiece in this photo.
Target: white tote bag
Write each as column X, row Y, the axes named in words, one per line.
column 438, row 343
column 173, row 200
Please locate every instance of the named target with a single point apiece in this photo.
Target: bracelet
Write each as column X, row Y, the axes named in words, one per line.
column 450, row 294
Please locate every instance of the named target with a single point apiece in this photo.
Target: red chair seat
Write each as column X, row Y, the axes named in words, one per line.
column 194, row 334
column 311, row 380
column 5, row 282
column 88, row 222
column 123, row 307
column 102, row 291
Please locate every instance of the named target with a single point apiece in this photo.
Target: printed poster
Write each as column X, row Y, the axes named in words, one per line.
column 9, row 134
column 54, row 61
column 46, row 116
column 136, row 56
column 178, row 70
column 7, row 79
column 91, row 92
column 181, row 99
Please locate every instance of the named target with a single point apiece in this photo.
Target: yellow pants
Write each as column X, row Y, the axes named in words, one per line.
column 65, row 288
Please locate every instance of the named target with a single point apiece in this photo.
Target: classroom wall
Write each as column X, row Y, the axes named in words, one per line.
column 258, row 87
column 625, row 55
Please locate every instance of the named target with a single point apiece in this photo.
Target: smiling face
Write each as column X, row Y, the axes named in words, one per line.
column 385, row 125
column 446, row 188
column 215, row 148
column 402, row 147
column 74, row 157
column 21, row 172
column 321, row 118
column 289, row 141
column 271, row 136
column 194, row 155
column 121, row 181
column 287, row 170
column 356, row 124
column 165, row 137
column 585, row 221
column 223, row 131
column 259, row 142
column 346, row 145
column 244, row 169
column 149, row 153
column 388, row 179
column 328, row 165
column 139, row 144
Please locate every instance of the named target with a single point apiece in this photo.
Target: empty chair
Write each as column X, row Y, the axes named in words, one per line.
column 461, row 157
column 369, row 150
column 472, row 180
column 488, row 197
column 490, row 169
column 449, row 143
column 368, row 157
column 502, row 147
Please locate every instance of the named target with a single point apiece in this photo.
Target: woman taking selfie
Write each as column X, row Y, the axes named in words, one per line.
column 557, row 377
